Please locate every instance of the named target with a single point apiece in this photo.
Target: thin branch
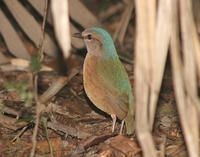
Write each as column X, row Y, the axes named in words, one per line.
column 34, row 140
column 41, row 46
column 35, row 83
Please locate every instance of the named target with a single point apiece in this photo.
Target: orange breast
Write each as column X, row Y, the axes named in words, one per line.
column 96, row 90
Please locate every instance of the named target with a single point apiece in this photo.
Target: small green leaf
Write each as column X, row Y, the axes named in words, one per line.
column 23, row 95
column 35, row 64
column 27, row 119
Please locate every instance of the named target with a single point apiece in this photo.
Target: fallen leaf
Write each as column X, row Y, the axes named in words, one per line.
column 43, row 146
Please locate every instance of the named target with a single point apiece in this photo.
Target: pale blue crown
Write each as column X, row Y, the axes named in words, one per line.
column 108, row 45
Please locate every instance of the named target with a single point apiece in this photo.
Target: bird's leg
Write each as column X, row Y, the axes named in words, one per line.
column 114, row 118
column 122, row 126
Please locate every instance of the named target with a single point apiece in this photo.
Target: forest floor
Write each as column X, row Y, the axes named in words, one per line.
column 75, row 126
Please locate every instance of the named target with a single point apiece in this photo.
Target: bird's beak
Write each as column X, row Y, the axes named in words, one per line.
column 77, row 35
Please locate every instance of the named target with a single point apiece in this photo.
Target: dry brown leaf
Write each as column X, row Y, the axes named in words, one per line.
column 30, row 26
column 79, row 13
column 43, row 146
column 13, row 42
column 174, row 149
column 125, row 145
column 110, row 152
column 93, row 140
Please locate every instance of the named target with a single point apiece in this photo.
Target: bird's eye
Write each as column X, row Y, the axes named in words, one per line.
column 89, row 36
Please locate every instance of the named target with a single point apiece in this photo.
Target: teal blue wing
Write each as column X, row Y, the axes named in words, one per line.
column 115, row 77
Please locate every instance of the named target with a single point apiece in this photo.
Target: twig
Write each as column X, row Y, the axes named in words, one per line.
column 11, row 111
column 34, row 141
column 44, row 123
column 126, row 22
column 41, row 46
column 35, row 83
column 20, row 133
column 121, row 29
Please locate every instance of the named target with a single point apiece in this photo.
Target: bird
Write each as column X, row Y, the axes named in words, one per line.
column 105, row 79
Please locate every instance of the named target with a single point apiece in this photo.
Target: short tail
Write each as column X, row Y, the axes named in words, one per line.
column 129, row 121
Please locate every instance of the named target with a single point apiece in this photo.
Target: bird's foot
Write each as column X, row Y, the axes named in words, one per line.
column 114, row 118
column 122, row 126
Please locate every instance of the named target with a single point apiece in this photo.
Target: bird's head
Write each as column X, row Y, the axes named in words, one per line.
column 98, row 40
